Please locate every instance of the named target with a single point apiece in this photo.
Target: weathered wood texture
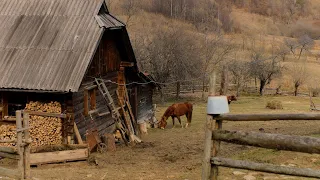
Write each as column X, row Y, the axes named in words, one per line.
column 9, row 155
column 19, row 145
column 27, row 147
column 60, row 147
column 270, row 141
column 101, row 115
column 208, row 143
column 263, row 167
column 58, row 156
column 46, row 114
column 268, row 117
column 9, row 173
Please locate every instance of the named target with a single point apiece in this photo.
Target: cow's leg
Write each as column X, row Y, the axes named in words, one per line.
column 179, row 121
column 172, row 121
column 187, row 124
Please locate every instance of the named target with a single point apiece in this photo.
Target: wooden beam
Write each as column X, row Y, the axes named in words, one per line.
column 270, row 141
column 58, row 115
column 208, row 143
column 91, row 87
column 264, row 167
column 8, row 141
column 8, row 150
column 20, row 147
column 269, row 117
column 76, row 132
column 9, row 173
column 59, row 147
column 1, row 109
column 126, row 64
column 27, row 148
column 58, row 156
column 9, row 155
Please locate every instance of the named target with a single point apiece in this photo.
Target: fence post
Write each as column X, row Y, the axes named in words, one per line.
column 27, row 146
column 206, row 164
column 20, row 147
column 215, row 150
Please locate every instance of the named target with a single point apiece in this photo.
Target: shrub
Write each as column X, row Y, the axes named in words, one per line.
column 274, row 104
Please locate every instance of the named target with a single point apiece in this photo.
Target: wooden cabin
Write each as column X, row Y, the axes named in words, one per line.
column 53, row 50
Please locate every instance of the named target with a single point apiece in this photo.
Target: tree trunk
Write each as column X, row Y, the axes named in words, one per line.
column 203, row 87
column 224, row 81
column 238, row 89
column 178, row 90
column 161, row 96
column 296, row 90
column 262, row 86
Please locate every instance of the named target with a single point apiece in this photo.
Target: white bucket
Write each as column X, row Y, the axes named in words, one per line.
column 217, row 105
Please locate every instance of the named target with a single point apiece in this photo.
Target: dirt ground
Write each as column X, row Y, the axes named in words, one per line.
column 176, row 153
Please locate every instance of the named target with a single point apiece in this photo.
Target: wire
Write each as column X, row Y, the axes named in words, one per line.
column 145, row 83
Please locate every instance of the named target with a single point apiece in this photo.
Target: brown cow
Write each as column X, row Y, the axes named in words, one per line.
column 175, row 111
column 231, row 98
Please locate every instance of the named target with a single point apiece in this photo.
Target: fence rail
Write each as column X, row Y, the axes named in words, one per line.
column 22, row 153
column 215, row 134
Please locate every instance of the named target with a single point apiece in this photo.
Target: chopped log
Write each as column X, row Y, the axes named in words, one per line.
column 268, row 117
column 9, row 173
column 58, row 156
column 270, row 141
column 264, row 167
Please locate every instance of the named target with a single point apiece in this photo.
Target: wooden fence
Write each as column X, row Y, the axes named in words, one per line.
column 22, row 150
column 215, row 134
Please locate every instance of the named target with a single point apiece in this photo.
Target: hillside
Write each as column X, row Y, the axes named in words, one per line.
column 223, row 32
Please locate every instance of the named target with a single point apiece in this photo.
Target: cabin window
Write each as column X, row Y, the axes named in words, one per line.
column 89, row 101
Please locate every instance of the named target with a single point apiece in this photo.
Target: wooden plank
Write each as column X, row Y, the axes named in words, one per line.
column 9, row 173
column 58, row 156
column 10, row 150
column 93, row 101
column 269, row 117
column 270, row 141
column 58, row 115
column 9, row 155
column 27, row 147
column 9, row 118
column 1, row 109
column 8, row 141
column 208, row 143
column 76, row 131
column 86, row 103
column 215, row 150
column 5, row 111
column 59, row 147
column 126, row 64
column 90, row 87
column 19, row 145
column 264, row 167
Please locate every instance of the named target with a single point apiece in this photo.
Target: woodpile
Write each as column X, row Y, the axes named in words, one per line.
column 45, row 130
column 8, row 132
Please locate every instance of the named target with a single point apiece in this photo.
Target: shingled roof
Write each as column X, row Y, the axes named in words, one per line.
column 47, row 45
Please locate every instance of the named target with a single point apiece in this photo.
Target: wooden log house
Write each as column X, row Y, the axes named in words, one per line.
column 52, row 50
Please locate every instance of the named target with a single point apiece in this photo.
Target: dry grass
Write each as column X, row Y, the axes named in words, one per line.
column 176, row 153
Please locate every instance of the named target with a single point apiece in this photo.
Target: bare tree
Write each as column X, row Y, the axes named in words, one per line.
column 130, row 8
column 299, row 75
column 240, row 73
column 264, row 68
column 215, row 51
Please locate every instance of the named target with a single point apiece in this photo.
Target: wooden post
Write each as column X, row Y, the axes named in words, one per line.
column 27, row 146
column 19, row 145
column 206, row 164
column 215, row 150
column 77, row 133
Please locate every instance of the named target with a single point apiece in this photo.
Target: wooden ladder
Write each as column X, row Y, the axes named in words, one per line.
column 115, row 113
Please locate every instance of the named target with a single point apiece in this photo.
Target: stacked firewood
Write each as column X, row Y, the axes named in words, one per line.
column 45, row 130
column 8, row 132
